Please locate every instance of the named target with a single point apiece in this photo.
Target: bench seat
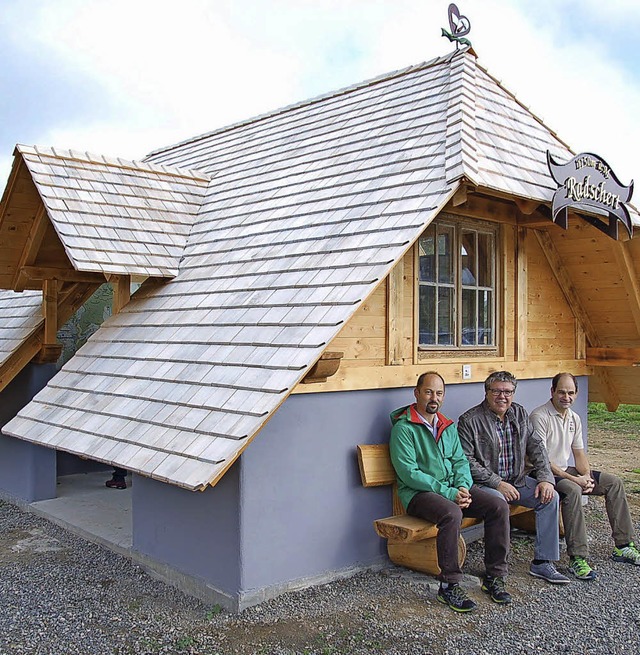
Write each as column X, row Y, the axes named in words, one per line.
column 411, row 542
column 407, row 528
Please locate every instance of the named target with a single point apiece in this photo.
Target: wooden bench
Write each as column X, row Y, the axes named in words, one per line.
column 411, row 542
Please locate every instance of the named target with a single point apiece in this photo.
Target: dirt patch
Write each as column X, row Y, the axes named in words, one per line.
column 619, row 453
column 22, row 545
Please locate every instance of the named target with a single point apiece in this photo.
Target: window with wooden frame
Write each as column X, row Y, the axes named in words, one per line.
column 457, row 271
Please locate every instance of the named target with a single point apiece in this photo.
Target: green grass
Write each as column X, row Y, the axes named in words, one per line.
column 626, row 417
column 214, row 611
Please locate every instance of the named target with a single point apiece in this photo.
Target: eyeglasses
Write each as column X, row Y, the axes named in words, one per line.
column 507, row 393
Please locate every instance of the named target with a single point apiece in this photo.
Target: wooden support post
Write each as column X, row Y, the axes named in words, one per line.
column 507, row 235
column 581, row 341
column 395, row 302
column 51, row 349
column 522, row 295
column 121, row 285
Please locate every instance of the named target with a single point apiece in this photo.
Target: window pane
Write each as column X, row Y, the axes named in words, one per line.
column 469, row 337
column 427, row 327
column 468, row 257
column 485, row 318
column 457, row 286
column 445, row 316
column 445, row 255
column 428, row 257
column 485, row 260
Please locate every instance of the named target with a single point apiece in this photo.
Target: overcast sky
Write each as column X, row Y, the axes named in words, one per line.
column 124, row 77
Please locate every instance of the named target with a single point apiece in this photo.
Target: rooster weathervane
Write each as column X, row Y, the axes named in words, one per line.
column 460, row 27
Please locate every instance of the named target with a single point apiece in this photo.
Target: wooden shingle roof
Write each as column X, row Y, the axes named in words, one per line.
column 306, row 212
column 115, row 216
column 21, row 316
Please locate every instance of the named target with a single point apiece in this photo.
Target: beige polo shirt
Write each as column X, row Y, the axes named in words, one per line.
column 559, row 435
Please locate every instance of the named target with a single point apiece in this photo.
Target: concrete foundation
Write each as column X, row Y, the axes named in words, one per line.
column 290, row 513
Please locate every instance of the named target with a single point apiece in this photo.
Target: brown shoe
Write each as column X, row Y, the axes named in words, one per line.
column 116, row 483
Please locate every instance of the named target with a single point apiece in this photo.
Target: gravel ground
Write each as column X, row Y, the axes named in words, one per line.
column 60, row 595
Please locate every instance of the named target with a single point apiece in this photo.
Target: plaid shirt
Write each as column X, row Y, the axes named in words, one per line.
column 506, row 458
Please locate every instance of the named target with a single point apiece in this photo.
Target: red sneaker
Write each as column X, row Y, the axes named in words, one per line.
column 116, row 483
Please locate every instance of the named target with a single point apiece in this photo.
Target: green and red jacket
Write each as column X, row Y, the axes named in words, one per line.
column 425, row 463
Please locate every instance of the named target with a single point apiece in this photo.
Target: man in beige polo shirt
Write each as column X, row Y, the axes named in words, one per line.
column 560, row 429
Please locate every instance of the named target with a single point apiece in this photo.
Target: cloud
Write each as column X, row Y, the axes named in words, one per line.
column 127, row 76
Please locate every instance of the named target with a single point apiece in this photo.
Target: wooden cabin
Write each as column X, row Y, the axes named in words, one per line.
column 301, row 270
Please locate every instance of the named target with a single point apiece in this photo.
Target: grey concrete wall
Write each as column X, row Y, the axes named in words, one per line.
column 195, row 533
column 23, row 388
column 27, row 471
column 68, row 464
column 305, row 514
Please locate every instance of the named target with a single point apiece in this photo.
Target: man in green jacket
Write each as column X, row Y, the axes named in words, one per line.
column 435, row 484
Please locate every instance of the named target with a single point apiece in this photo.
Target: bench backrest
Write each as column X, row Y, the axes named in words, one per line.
column 376, row 470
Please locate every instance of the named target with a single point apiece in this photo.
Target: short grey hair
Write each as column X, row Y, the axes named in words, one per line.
column 500, row 376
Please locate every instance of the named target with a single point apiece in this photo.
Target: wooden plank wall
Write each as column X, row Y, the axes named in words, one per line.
column 549, row 341
column 550, row 321
column 364, row 338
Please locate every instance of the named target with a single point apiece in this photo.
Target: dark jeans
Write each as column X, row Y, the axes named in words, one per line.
column 119, row 474
column 447, row 516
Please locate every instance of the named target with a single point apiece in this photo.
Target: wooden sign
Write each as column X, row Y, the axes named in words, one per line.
column 587, row 183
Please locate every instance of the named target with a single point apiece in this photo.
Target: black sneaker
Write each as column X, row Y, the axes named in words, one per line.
column 456, row 598
column 495, row 588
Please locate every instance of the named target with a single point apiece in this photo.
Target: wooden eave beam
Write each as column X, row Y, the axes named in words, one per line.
column 460, row 196
column 13, row 178
column 27, row 350
column 567, row 287
column 30, row 250
column 62, row 274
column 613, row 356
column 480, row 207
column 527, row 207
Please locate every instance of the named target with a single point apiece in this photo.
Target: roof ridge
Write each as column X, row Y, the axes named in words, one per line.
column 461, row 158
column 115, row 162
column 526, row 108
column 310, row 101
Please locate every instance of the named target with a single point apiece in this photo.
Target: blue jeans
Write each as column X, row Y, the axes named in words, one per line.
column 547, row 545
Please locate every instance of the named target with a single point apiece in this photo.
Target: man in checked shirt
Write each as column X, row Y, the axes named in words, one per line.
column 497, row 438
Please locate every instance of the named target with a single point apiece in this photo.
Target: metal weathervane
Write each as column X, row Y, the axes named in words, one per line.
column 460, row 27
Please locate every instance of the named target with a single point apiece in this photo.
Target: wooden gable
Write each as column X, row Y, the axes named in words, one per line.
column 578, row 291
